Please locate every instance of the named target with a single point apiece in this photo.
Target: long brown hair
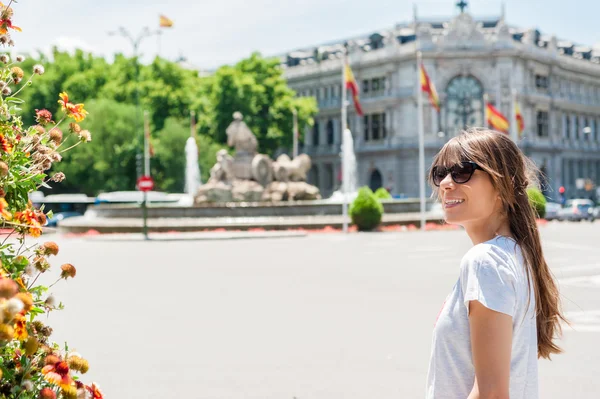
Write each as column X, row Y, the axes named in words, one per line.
column 512, row 173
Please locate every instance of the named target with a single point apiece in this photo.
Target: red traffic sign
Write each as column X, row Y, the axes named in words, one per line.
column 145, row 183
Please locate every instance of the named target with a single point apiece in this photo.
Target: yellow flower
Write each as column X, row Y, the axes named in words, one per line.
column 74, row 111
column 4, row 209
column 20, row 328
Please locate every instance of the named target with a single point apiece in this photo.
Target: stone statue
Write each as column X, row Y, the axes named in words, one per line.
column 223, row 169
column 249, row 176
column 240, row 137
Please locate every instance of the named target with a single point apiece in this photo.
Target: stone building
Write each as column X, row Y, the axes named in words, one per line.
column 557, row 84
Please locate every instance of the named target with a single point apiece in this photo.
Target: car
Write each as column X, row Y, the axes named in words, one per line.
column 57, row 217
column 552, row 210
column 577, row 210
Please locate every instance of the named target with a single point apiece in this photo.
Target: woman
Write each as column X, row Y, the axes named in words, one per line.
column 504, row 311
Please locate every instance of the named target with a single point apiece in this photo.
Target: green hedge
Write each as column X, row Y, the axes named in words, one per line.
column 537, row 201
column 366, row 210
column 382, row 193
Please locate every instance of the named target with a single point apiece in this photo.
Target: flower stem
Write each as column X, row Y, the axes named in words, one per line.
column 73, row 146
column 24, row 85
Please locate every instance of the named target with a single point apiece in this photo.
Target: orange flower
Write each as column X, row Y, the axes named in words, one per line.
column 5, row 145
column 20, row 327
column 6, row 24
column 94, row 390
column 29, row 218
column 58, row 374
column 74, row 111
column 4, row 209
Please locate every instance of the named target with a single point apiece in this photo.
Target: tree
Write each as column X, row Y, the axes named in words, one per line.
column 109, row 163
column 168, row 164
column 256, row 87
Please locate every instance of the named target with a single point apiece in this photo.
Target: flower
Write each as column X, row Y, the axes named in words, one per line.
column 57, row 373
column 78, row 363
column 85, row 136
column 8, row 288
column 58, row 177
column 14, row 306
column 29, row 218
column 31, row 346
column 43, row 117
column 38, row 69
column 5, row 58
column 3, row 169
column 69, row 392
column 17, row 74
column 4, row 209
column 26, row 299
column 4, row 39
column 56, row 135
column 27, row 385
column 20, row 327
column 41, row 264
column 47, row 393
column 50, row 248
column 6, row 24
column 6, row 91
column 74, row 128
column 94, row 390
column 6, row 332
column 20, row 58
column 50, row 301
column 74, row 111
column 68, row 270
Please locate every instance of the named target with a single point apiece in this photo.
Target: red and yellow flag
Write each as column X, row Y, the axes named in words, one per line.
column 428, row 87
column 520, row 121
column 495, row 119
column 353, row 87
column 165, row 22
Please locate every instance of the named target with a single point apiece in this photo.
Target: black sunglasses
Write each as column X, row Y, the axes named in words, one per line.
column 461, row 173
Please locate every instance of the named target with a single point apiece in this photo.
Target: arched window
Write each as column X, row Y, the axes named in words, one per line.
column 329, row 131
column 464, row 104
column 376, row 180
column 315, row 134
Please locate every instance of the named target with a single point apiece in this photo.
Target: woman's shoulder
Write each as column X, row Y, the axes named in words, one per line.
column 499, row 252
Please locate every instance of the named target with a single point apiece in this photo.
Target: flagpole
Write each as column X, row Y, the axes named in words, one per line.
column 295, row 145
column 486, row 101
column 421, row 140
column 514, row 126
column 344, row 127
column 146, row 144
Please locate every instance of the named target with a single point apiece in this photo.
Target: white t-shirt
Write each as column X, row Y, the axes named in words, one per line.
column 494, row 274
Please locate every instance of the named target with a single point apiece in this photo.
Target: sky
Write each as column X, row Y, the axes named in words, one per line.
column 216, row 32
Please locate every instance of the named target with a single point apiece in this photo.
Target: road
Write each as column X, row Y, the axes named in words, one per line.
column 318, row 317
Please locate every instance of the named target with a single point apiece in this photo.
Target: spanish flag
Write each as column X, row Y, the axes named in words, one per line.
column 520, row 121
column 428, row 87
column 495, row 119
column 165, row 22
column 353, row 87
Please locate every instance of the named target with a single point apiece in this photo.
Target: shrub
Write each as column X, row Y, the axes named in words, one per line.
column 366, row 210
column 382, row 193
column 537, row 201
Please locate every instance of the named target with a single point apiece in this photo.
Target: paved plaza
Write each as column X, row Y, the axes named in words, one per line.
column 321, row 316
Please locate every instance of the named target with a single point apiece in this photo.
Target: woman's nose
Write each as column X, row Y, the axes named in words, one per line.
column 447, row 183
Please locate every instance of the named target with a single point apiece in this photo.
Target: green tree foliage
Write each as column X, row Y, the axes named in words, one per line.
column 110, row 91
column 537, row 201
column 366, row 210
column 108, row 163
column 256, row 87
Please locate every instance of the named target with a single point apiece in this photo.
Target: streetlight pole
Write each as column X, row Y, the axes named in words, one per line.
column 135, row 44
column 143, row 153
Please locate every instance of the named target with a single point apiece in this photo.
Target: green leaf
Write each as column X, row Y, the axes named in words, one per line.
column 15, row 100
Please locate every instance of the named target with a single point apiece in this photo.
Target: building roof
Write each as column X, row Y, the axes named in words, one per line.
column 437, row 29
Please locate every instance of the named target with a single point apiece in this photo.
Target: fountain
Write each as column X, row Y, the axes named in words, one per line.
column 349, row 161
column 252, row 177
column 192, row 170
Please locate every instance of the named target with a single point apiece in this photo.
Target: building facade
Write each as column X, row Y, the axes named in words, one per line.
column 557, row 85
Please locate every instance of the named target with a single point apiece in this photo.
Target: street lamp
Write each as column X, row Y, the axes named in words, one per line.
column 135, row 43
